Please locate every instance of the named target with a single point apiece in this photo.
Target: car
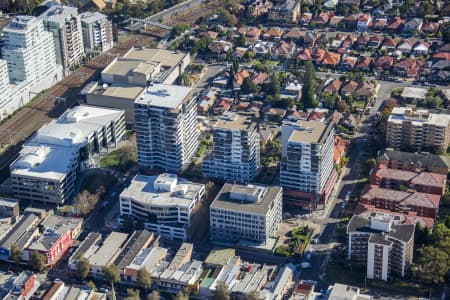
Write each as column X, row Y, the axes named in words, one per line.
column 315, row 241
column 103, row 290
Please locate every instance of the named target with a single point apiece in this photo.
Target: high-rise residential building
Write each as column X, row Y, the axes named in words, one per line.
column 97, row 31
column 5, row 89
column 65, row 24
column 251, row 213
column 28, row 50
column 381, row 242
column 48, row 164
column 418, row 129
column 166, row 127
column 235, row 154
column 163, row 204
column 307, row 173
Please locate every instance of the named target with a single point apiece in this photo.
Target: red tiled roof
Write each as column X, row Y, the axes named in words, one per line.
column 331, row 58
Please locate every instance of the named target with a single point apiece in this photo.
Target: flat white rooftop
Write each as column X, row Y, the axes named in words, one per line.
column 167, row 58
column 163, row 95
column 59, row 14
column 170, row 192
column 92, row 17
column 22, row 23
column 108, row 249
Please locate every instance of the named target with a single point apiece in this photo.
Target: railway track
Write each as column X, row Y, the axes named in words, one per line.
column 42, row 109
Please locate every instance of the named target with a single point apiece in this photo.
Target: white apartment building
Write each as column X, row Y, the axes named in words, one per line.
column 30, row 63
column 163, row 203
column 97, row 31
column 235, row 155
column 381, row 242
column 307, row 162
column 65, row 24
column 166, row 127
column 245, row 213
column 48, row 163
column 418, row 129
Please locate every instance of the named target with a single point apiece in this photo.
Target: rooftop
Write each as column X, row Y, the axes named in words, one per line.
column 162, row 190
column 19, row 229
column 422, row 160
column 418, row 117
column 220, row 257
column 59, row 14
column 92, row 17
column 414, row 92
column 108, row 249
column 126, row 66
column 167, row 58
column 251, row 198
column 118, row 90
column 7, row 202
column 135, row 243
column 310, row 132
column 22, row 23
column 164, row 95
column 229, row 120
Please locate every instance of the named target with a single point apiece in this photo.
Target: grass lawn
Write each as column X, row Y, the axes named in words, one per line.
column 299, row 239
column 120, row 159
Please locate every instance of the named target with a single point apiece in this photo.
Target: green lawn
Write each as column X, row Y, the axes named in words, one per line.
column 120, row 159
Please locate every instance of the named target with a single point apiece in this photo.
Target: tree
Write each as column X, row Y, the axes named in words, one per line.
column 144, row 279
column 181, row 296
column 83, row 268
column 38, row 261
column 133, row 294
column 111, row 273
column 433, row 265
column 222, row 292
column 248, row 86
column 16, row 254
column 92, row 285
column 253, row 295
column 153, row 296
column 342, row 106
column 309, row 84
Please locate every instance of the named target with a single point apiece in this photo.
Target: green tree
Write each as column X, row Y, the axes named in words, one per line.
column 433, row 265
column 222, row 292
column 38, row 261
column 181, row 296
column 253, row 295
column 16, row 254
column 248, row 86
column 92, row 285
column 153, row 295
column 83, row 268
column 309, row 84
column 111, row 273
column 133, row 294
column 144, row 279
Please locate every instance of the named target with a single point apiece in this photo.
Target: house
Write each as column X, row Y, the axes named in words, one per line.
column 240, row 52
column 396, row 25
column 321, row 19
column 380, row 24
column 306, row 18
column 333, row 87
column 348, row 42
column 259, row 78
column 309, row 40
column 441, row 56
column 285, row 49
column 322, row 40
column 382, row 63
column 253, row 34
column 294, row 34
column 222, row 106
column 291, row 90
column 366, row 90
column 364, row 22
column 209, row 34
column 350, row 21
column 317, row 116
column 331, row 59
column 298, row 116
column 413, row 25
column 405, row 46
column 318, row 55
column 220, row 48
column 207, row 100
column 340, row 149
column 440, row 77
column 408, row 67
column 337, row 41
column 239, row 78
column 262, row 48
column 335, row 21
column 274, row 33
column 275, row 114
column 348, row 63
column 349, row 121
column 305, row 55
column 421, row 48
column 259, row 7
column 375, row 41
column 430, row 27
column 413, row 94
column 361, row 41
column 364, row 63
column 441, row 65
column 389, row 44
column 349, row 87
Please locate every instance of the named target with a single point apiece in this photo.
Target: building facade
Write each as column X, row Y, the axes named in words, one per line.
column 163, row 203
column 250, row 213
column 285, row 11
column 418, row 129
column 381, row 243
column 64, row 23
column 236, row 155
column 307, row 173
column 48, row 163
column 166, row 127
column 97, row 31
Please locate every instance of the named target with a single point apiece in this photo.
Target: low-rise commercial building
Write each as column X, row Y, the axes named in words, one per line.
column 147, row 258
column 235, row 155
column 418, row 129
column 87, row 247
column 250, row 213
column 20, row 287
column 20, row 233
column 9, row 207
column 139, row 239
column 381, row 243
column 163, row 203
column 49, row 162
